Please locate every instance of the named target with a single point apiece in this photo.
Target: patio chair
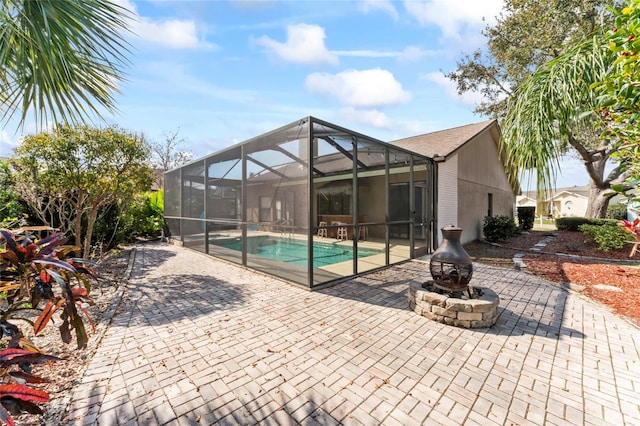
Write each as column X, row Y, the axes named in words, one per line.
column 322, row 230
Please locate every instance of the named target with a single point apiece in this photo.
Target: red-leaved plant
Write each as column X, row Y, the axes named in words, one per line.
column 33, row 273
column 634, row 229
column 15, row 395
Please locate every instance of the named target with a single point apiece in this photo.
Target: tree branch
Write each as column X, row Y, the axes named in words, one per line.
column 589, row 160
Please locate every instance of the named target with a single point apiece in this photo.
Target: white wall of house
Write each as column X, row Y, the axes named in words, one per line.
column 447, row 194
column 524, row 201
column 483, row 186
column 568, row 204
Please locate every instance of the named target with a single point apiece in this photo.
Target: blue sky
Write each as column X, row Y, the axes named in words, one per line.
column 221, row 72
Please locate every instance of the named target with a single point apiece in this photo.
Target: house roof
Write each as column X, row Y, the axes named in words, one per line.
column 570, row 193
column 521, row 198
column 444, row 142
column 581, row 191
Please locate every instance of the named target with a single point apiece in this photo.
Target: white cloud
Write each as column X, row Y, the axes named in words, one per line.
column 453, row 17
column 172, row 33
column 305, row 44
column 385, row 6
column 369, row 117
column 367, row 88
column 468, row 98
column 6, row 144
column 408, row 54
column 366, row 53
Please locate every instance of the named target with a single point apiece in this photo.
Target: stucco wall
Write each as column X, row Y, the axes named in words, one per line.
column 480, row 173
column 297, row 209
column 571, row 205
column 474, row 206
column 447, row 194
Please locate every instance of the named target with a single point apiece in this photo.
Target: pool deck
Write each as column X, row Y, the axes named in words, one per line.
column 197, row 341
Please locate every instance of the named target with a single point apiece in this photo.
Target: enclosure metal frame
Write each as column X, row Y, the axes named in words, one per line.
column 311, row 123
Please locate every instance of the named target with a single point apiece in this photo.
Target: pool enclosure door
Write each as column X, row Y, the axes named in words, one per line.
column 311, row 202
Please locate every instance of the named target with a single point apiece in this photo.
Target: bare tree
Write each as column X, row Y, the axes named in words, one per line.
column 166, row 154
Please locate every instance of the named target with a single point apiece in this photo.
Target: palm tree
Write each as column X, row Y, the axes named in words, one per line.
column 60, row 59
column 555, row 112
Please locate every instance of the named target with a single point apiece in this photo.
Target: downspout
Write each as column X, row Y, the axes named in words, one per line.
column 437, row 159
column 412, row 211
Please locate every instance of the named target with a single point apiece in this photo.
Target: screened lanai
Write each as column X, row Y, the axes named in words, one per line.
column 311, row 202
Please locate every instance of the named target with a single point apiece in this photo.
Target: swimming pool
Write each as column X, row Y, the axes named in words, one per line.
column 294, row 251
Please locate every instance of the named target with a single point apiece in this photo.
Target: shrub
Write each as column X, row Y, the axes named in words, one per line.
column 617, row 211
column 574, row 223
column 608, row 237
column 497, row 228
column 571, row 223
column 11, row 207
column 526, row 216
column 142, row 217
column 147, row 212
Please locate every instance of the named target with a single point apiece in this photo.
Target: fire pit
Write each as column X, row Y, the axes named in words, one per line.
column 448, row 298
column 451, row 266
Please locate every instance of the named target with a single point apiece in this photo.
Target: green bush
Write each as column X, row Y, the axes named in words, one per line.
column 497, row 228
column 617, row 211
column 574, row 223
column 571, row 223
column 608, row 237
column 11, row 207
column 142, row 217
column 526, row 216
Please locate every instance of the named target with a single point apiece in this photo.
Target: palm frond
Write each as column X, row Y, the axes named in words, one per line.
column 61, row 60
column 554, row 104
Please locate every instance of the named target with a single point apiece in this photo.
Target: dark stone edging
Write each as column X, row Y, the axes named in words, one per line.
column 572, row 256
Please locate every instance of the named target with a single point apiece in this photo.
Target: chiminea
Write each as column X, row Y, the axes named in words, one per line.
column 451, row 266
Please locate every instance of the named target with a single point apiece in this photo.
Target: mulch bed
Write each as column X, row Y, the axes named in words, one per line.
column 611, row 278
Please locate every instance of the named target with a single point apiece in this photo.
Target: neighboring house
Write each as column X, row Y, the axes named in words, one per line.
column 562, row 202
column 525, row 201
column 472, row 179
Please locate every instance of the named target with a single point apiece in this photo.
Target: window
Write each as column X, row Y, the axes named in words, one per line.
column 335, row 198
column 265, row 209
column 278, row 209
column 490, row 205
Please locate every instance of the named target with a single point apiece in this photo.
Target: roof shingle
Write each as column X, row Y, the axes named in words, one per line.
column 443, row 142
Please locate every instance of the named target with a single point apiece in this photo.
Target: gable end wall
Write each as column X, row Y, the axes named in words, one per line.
column 481, row 173
column 447, row 194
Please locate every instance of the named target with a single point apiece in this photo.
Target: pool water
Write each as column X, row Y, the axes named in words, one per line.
column 295, row 252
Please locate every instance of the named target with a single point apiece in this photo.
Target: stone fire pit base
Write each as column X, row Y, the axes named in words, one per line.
column 463, row 312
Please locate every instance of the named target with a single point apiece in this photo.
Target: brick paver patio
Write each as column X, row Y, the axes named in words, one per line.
column 197, row 341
